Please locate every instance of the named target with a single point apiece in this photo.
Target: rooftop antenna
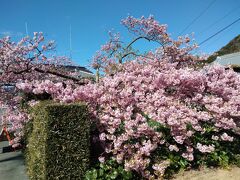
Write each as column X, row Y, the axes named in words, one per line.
column 26, row 28
column 70, row 41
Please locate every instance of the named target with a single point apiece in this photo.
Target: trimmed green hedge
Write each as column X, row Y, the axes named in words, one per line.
column 58, row 145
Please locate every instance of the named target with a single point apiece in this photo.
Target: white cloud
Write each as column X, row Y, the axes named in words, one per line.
column 6, row 33
column 11, row 33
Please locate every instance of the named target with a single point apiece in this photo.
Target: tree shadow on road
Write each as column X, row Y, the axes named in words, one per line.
column 17, row 157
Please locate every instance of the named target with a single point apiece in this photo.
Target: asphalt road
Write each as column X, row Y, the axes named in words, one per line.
column 11, row 164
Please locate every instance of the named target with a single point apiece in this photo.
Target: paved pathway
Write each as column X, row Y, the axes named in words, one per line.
column 11, row 164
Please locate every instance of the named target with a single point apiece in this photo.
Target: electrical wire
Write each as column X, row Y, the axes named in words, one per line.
column 220, row 19
column 221, row 30
column 195, row 19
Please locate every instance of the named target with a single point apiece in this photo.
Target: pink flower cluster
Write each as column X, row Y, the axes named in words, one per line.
column 159, row 169
column 226, row 137
column 14, row 120
column 205, row 148
column 26, row 61
column 173, row 148
column 147, row 27
column 158, row 91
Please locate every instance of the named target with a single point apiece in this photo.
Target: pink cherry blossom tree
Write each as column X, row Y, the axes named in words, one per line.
column 115, row 51
column 145, row 97
column 28, row 61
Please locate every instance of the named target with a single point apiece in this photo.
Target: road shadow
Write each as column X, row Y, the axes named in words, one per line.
column 13, row 158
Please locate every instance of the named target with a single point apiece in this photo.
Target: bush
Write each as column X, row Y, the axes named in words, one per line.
column 58, row 146
column 110, row 170
column 225, row 153
column 154, row 108
column 170, row 159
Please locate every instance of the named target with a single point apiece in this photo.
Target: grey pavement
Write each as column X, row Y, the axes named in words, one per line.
column 11, row 165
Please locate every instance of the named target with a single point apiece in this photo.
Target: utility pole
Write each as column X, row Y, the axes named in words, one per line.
column 26, row 28
column 70, row 41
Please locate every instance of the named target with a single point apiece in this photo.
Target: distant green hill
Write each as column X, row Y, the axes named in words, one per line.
column 232, row 47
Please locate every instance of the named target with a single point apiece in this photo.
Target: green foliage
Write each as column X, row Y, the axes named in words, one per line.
column 58, row 142
column 226, row 153
column 177, row 162
column 27, row 129
column 110, row 170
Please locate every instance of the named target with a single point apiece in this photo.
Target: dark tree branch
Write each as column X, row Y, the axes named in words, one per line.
column 77, row 80
column 133, row 53
column 136, row 39
column 22, row 71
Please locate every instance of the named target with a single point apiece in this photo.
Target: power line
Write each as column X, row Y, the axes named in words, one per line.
column 211, row 43
column 26, row 28
column 220, row 31
column 195, row 19
column 220, row 19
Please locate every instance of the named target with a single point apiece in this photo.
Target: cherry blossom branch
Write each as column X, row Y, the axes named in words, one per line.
column 136, row 39
column 77, row 80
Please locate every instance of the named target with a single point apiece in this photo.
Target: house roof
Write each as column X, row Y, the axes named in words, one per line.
column 229, row 59
column 79, row 68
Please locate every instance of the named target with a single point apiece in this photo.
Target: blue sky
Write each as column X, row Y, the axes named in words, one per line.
column 92, row 19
